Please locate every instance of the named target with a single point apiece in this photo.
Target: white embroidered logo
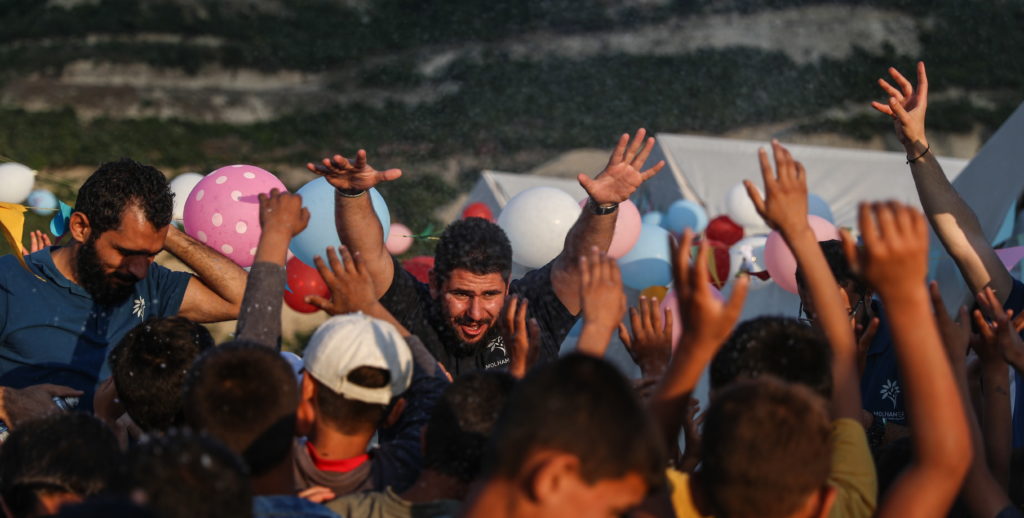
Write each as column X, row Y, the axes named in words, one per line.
column 890, row 391
column 497, row 343
column 139, row 307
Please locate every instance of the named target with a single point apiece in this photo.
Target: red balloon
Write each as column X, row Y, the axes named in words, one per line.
column 420, row 267
column 303, row 281
column 478, row 210
column 720, row 254
column 724, row 230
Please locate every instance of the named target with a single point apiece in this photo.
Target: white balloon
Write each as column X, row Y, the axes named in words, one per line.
column 182, row 186
column 747, row 254
column 817, row 206
column 740, row 209
column 16, row 182
column 536, row 222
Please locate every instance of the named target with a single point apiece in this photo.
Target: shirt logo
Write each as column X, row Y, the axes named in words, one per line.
column 890, row 391
column 139, row 307
column 497, row 343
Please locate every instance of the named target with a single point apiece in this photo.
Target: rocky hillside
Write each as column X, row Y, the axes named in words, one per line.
column 443, row 89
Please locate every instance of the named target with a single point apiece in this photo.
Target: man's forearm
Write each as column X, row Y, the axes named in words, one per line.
column 589, row 231
column 220, row 274
column 361, row 231
column 957, row 226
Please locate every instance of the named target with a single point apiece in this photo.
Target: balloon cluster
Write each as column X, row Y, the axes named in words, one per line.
column 740, row 240
column 221, row 210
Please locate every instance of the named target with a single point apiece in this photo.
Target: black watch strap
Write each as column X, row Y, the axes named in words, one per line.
column 603, row 210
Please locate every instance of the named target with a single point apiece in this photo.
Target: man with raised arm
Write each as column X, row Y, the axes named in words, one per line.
column 457, row 314
column 58, row 321
column 950, row 217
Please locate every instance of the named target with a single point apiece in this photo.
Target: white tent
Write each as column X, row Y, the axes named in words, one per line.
column 495, row 188
column 704, row 169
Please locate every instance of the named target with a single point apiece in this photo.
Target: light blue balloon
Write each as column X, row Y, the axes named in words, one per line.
column 318, row 197
column 653, row 218
column 685, row 214
column 649, row 262
column 42, row 202
column 817, row 206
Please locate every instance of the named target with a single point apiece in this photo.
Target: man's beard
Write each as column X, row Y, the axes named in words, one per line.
column 106, row 289
column 451, row 339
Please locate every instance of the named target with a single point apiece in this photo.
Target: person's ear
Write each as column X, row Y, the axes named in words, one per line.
column 79, row 227
column 305, row 415
column 396, row 413
column 550, row 477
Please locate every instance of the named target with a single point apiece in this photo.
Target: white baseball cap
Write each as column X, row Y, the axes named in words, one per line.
column 345, row 343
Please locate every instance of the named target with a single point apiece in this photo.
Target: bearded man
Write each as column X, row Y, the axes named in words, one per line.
column 456, row 314
column 59, row 320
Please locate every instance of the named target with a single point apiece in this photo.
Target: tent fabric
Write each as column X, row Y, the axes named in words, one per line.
column 495, row 188
column 990, row 185
column 704, row 169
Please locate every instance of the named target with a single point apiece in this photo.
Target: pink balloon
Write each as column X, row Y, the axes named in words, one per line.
column 223, row 210
column 677, row 320
column 627, row 229
column 779, row 260
column 399, row 239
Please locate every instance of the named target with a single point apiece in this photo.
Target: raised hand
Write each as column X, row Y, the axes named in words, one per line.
column 784, row 206
column 522, row 336
column 999, row 334
column 707, row 320
column 350, row 283
column 622, row 176
column 352, row 176
column 906, row 106
column 38, row 241
column 895, row 252
column 650, row 344
column 283, row 212
column 604, row 302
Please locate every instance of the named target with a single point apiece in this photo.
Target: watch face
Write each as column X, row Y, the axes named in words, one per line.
column 602, row 210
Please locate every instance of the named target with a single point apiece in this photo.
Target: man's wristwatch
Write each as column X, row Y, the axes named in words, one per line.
column 603, row 210
column 350, row 193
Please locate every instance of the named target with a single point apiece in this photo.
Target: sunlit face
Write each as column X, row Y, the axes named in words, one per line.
column 605, row 498
column 109, row 265
column 472, row 303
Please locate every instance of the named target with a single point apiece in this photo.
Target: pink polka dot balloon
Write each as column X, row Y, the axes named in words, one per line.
column 223, row 210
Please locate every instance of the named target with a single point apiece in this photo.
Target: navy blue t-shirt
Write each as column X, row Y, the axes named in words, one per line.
column 880, row 387
column 51, row 330
column 881, row 391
